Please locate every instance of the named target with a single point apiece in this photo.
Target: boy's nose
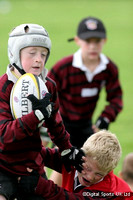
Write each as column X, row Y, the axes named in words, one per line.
column 38, row 58
column 91, row 177
column 92, row 45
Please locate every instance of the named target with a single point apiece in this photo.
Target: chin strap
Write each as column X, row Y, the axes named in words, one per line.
column 21, row 71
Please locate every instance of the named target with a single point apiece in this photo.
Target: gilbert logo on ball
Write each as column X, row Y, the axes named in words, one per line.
column 26, row 85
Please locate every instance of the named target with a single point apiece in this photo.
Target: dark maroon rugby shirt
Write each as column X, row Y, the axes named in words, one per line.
column 71, row 80
column 20, row 143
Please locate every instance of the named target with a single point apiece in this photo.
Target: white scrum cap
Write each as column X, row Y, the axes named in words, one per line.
column 26, row 35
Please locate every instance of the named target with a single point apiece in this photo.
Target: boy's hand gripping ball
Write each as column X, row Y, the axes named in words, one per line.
column 28, row 84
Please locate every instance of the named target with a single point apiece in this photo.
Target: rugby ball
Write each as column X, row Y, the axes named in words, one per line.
column 27, row 84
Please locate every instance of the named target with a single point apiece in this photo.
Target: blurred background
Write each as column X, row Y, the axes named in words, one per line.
column 61, row 18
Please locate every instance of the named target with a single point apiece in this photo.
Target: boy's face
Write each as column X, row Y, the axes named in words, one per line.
column 33, row 59
column 91, row 174
column 91, row 48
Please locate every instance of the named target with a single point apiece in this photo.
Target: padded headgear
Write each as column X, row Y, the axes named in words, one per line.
column 26, row 35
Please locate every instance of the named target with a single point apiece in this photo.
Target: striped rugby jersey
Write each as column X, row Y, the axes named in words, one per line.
column 20, row 142
column 79, row 89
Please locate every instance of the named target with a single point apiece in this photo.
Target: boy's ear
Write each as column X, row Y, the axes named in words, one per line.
column 77, row 39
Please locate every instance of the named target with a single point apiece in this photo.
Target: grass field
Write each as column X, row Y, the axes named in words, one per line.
column 60, row 18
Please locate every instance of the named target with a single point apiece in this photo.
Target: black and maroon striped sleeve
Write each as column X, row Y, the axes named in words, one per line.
column 114, row 93
column 50, row 191
column 55, row 125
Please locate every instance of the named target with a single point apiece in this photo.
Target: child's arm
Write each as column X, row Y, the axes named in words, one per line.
column 70, row 155
column 114, row 98
column 55, row 125
column 50, row 191
column 47, row 189
column 52, row 158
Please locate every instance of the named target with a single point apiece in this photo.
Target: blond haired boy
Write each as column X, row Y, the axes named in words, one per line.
column 96, row 181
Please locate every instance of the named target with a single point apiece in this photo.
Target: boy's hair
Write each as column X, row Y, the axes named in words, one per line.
column 105, row 148
column 127, row 168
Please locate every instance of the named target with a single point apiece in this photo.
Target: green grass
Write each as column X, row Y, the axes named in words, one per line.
column 60, row 18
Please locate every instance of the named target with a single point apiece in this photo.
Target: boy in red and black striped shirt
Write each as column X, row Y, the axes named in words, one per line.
column 29, row 47
column 80, row 78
